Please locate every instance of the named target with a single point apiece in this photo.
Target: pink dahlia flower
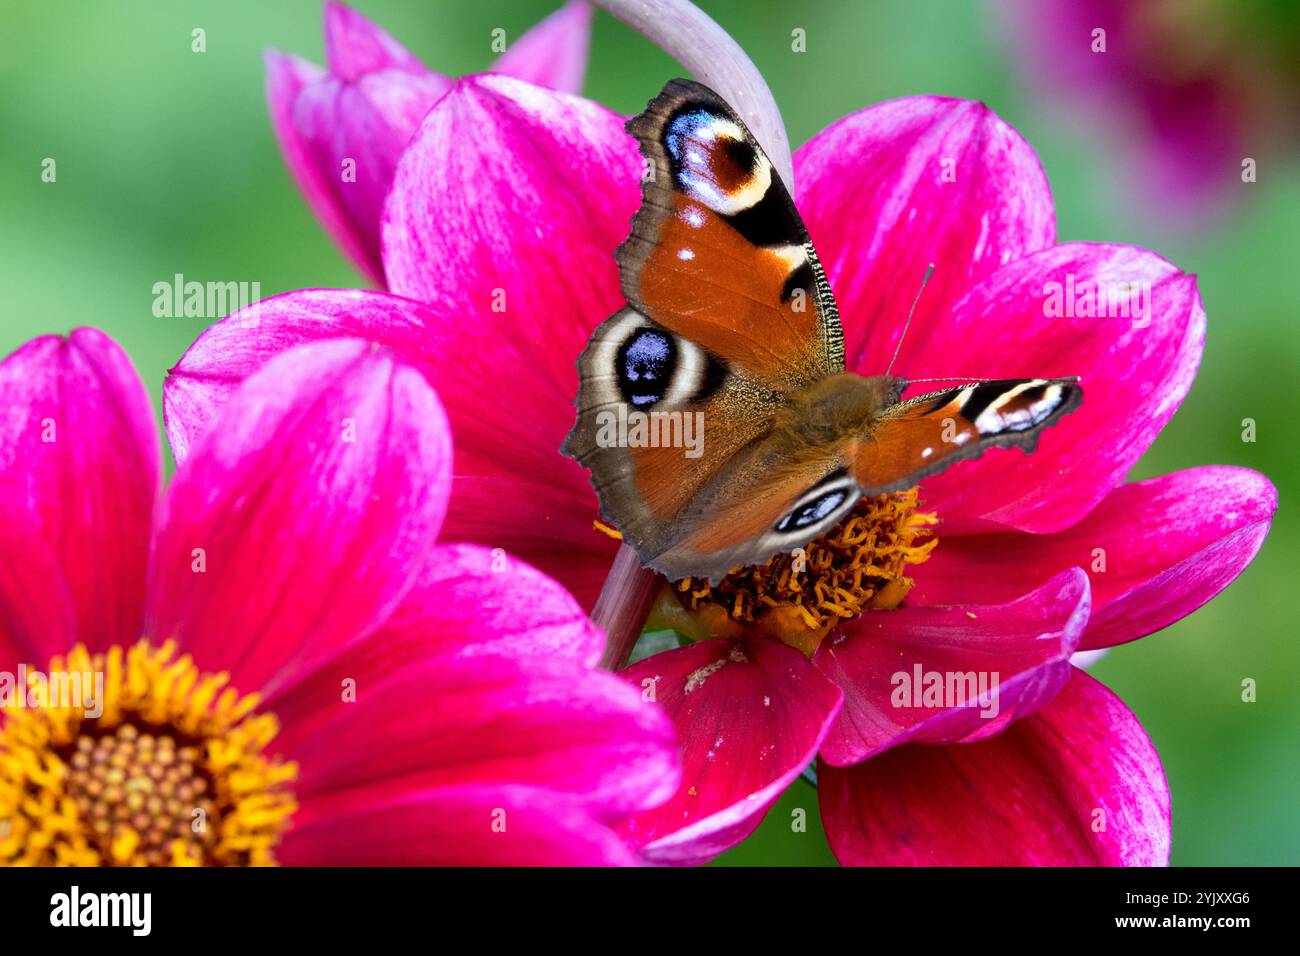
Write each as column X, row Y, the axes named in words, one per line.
column 292, row 669
column 498, row 249
column 343, row 129
column 1183, row 93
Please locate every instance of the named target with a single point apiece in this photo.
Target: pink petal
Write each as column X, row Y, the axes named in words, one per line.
column 462, row 826
column 544, row 515
column 313, row 496
column 234, row 348
column 471, row 601
column 872, row 190
column 506, row 212
column 37, row 618
column 80, row 467
column 355, row 46
column 1156, row 549
column 750, row 715
column 355, row 132
column 1076, row 784
column 513, row 489
column 1135, row 374
column 554, row 52
column 466, row 602
column 1017, row 653
column 434, row 719
column 496, row 210
column 286, row 77
column 507, row 208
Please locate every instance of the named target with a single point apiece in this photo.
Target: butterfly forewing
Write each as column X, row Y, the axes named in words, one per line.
column 718, row 252
column 924, row 435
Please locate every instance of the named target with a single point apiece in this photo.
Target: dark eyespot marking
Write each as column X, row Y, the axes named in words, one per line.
column 812, row 512
column 1031, row 396
column 820, row 502
column 715, row 374
column 979, row 398
column 645, row 366
column 740, row 156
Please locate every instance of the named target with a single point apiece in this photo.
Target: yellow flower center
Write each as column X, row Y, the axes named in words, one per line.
column 798, row 597
column 135, row 758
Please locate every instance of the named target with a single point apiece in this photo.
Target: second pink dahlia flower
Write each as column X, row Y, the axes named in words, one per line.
column 291, row 668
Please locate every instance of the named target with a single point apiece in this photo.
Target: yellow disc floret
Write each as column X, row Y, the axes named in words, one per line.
column 136, row 758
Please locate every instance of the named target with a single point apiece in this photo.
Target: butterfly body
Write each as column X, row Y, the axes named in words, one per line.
column 835, row 408
column 731, row 343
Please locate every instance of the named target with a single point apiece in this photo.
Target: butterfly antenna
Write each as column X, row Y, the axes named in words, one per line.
column 950, row 378
column 1071, row 379
column 929, row 270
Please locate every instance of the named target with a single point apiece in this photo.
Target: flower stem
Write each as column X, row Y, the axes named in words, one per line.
column 809, row 775
column 693, row 39
column 624, row 603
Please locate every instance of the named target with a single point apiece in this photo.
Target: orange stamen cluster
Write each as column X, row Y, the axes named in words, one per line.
column 798, row 597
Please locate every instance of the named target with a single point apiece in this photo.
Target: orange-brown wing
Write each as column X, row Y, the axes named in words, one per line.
column 765, row 505
column 684, row 458
column 658, row 418
column 924, row 435
column 718, row 253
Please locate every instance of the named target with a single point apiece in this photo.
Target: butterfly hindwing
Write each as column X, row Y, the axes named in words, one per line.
column 925, row 435
column 769, row 498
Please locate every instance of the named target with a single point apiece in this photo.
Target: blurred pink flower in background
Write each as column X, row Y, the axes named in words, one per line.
column 1182, row 92
column 283, row 641
column 498, row 250
column 343, row 129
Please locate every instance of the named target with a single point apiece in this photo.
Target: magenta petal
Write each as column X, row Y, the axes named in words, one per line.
column 234, row 348
column 442, row 720
column 501, row 455
column 286, row 77
column 507, row 208
column 897, row 186
column 37, row 619
column 750, row 715
column 1135, row 373
column 1178, row 130
column 459, row 826
column 355, row 46
column 1156, row 550
column 506, row 212
column 356, row 131
column 549, row 521
column 469, row 601
column 79, row 458
column 1017, row 654
column 554, row 52
column 312, row 497
column 1076, row 784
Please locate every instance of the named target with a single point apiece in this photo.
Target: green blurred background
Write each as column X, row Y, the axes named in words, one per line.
column 166, row 164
